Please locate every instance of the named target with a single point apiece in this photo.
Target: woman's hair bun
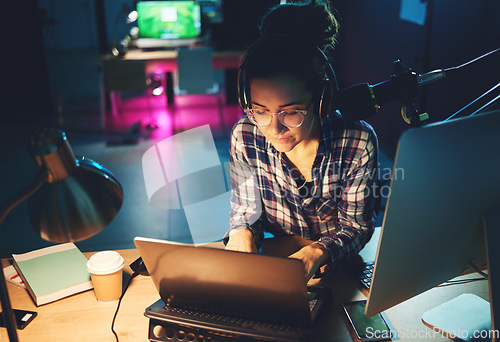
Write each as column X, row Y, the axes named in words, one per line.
column 311, row 21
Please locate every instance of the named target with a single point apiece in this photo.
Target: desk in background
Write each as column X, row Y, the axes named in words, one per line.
column 81, row 318
column 129, row 72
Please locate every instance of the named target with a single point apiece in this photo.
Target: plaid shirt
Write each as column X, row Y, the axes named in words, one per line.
column 338, row 211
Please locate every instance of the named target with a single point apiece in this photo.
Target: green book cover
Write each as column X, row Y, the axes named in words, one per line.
column 54, row 272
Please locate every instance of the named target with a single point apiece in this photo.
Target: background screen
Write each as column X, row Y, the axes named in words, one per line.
column 168, row 19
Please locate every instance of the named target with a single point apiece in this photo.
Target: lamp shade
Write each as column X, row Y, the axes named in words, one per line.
column 80, row 197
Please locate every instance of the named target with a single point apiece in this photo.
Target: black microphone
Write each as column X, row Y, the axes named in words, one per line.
column 363, row 100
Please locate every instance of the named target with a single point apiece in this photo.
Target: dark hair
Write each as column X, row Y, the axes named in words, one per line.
column 292, row 33
column 312, row 21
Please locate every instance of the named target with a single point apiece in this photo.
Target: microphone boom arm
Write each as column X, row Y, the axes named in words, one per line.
column 404, row 85
column 363, row 100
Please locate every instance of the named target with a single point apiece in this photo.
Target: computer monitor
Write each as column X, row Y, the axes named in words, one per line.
column 168, row 23
column 445, row 186
column 212, row 9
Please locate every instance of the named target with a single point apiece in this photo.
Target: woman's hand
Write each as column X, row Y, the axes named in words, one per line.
column 313, row 257
column 242, row 241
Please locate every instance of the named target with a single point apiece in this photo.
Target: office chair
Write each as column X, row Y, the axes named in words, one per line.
column 121, row 76
column 196, row 76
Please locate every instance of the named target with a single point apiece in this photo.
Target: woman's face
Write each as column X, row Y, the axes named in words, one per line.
column 284, row 93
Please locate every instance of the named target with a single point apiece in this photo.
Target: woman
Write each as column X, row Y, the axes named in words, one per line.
column 297, row 168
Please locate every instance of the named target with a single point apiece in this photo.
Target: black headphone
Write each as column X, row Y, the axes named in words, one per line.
column 329, row 86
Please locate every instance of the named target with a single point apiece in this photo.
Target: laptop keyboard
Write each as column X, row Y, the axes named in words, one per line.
column 228, row 320
column 312, row 304
column 363, row 273
column 231, row 320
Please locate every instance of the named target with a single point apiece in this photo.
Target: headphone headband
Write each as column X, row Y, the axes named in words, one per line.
column 328, row 91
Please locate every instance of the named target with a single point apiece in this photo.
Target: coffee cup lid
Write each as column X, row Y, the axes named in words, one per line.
column 105, row 262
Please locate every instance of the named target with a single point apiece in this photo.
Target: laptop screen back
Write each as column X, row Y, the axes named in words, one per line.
column 216, row 280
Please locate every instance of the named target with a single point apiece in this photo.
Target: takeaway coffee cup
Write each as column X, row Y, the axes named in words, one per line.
column 105, row 269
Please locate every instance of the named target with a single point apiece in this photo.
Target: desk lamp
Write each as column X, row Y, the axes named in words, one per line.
column 70, row 200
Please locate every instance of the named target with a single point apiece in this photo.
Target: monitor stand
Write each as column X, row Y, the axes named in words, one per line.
column 469, row 317
column 463, row 317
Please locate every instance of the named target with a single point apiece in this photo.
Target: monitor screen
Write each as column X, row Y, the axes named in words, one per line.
column 212, row 9
column 445, row 178
column 169, row 19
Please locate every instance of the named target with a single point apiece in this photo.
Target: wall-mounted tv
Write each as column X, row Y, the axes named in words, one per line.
column 165, row 23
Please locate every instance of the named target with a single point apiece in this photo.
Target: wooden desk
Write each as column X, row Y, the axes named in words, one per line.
column 166, row 60
column 82, row 318
column 404, row 318
column 129, row 73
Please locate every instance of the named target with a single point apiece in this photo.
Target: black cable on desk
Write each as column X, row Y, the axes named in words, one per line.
column 135, row 274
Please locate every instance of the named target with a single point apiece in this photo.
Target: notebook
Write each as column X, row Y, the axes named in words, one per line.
column 243, row 294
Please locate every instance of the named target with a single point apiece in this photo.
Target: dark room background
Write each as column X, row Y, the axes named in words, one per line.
column 52, row 50
column 52, row 73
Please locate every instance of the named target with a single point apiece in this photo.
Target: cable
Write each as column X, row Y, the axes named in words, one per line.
column 478, row 270
column 471, row 264
column 460, row 281
column 480, row 97
column 470, row 104
column 486, row 105
column 472, row 61
column 135, row 274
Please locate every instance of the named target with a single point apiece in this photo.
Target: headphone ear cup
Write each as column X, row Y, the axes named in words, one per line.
column 333, row 89
column 242, row 98
column 323, row 107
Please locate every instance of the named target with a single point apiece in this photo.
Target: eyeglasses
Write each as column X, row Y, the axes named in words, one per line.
column 291, row 118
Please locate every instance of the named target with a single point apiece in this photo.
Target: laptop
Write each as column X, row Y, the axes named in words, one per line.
column 243, row 295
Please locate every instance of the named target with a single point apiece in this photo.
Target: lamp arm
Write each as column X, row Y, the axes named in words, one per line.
column 37, row 182
column 7, row 312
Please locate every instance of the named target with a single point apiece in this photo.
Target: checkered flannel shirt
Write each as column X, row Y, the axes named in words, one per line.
column 337, row 213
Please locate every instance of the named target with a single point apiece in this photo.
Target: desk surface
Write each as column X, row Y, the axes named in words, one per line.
column 82, row 318
column 138, row 54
